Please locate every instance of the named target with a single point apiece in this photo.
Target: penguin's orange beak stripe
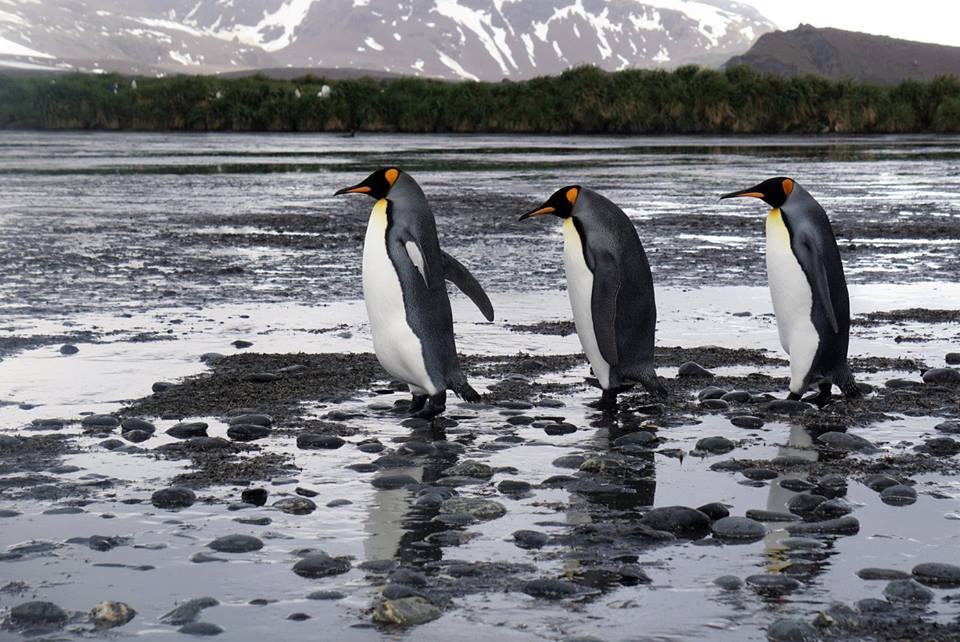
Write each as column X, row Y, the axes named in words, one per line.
column 739, row 194
column 539, row 212
column 357, row 189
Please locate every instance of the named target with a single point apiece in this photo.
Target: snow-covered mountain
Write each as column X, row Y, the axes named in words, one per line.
column 455, row 39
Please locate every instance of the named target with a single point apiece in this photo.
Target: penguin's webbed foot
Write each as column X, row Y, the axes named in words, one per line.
column 823, row 397
column 435, row 405
column 417, row 403
column 655, row 387
column 607, row 401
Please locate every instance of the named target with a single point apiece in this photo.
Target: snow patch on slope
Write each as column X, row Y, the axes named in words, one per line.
column 284, row 20
column 11, row 48
column 713, row 21
column 492, row 38
column 454, row 66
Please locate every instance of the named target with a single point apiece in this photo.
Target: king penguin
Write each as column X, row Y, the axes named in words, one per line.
column 610, row 288
column 808, row 289
column 404, row 287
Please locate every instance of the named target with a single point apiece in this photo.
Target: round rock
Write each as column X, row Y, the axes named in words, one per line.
column 38, row 613
column 255, row 496
column 247, row 432
column 771, row 584
column 530, row 539
column 938, row 574
column 711, row 392
column 321, row 565
column 715, row 445
column 188, row 430
column 898, row 495
column 694, row 371
column 132, row 423
column 295, row 505
column 481, row 509
column 470, row 468
column 236, row 544
column 804, row 503
column 760, row 474
column 747, row 421
column 514, row 487
column 846, row 442
column 714, row 510
column 679, row 520
column 907, row 592
column 885, row 574
column 406, row 611
column 390, row 482
column 256, row 419
column 792, row 630
column 200, row 629
column 738, row 528
column 100, row 421
column 107, row 615
column 729, row 582
column 942, row 375
column 315, row 441
column 174, row 497
column 550, row 589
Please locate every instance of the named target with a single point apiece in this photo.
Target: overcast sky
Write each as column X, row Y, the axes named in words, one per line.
column 924, row 20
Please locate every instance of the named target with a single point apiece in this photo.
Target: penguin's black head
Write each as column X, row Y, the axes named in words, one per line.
column 560, row 204
column 773, row 191
column 376, row 185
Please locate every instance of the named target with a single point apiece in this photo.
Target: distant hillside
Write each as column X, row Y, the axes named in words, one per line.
column 848, row 55
column 449, row 39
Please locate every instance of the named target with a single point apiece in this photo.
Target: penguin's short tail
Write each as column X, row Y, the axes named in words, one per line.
column 847, row 384
column 648, row 378
column 466, row 392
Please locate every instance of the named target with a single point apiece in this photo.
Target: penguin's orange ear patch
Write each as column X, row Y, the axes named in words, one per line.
column 572, row 195
column 391, row 175
column 787, row 186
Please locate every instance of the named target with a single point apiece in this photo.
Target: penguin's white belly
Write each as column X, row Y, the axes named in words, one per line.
column 397, row 347
column 792, row 301
column 580, row 288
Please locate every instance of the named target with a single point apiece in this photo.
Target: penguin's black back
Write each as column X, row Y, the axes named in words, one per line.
column 427, row 305
column 808, row 224
column 606, row 231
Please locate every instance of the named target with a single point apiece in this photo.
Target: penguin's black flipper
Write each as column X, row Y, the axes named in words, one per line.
column 813, row 266
column 603, row 306
column 466, row 392
column 460, row 276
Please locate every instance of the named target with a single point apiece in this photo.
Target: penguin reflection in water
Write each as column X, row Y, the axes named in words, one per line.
column 611, row 290
column 808, row 289
column 404, row 287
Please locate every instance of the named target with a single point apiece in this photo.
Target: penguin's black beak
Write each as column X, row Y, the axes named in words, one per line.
column 540, row 211
column 752, row 192
column 356, row 189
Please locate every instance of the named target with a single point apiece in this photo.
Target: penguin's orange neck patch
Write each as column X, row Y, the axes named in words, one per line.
column 787, row 186
column 391, row 176
column 572, row 195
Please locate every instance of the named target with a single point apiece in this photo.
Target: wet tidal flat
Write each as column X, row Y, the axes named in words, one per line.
column 194, row 438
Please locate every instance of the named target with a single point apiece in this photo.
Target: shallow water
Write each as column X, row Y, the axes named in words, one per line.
column 164, row 247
